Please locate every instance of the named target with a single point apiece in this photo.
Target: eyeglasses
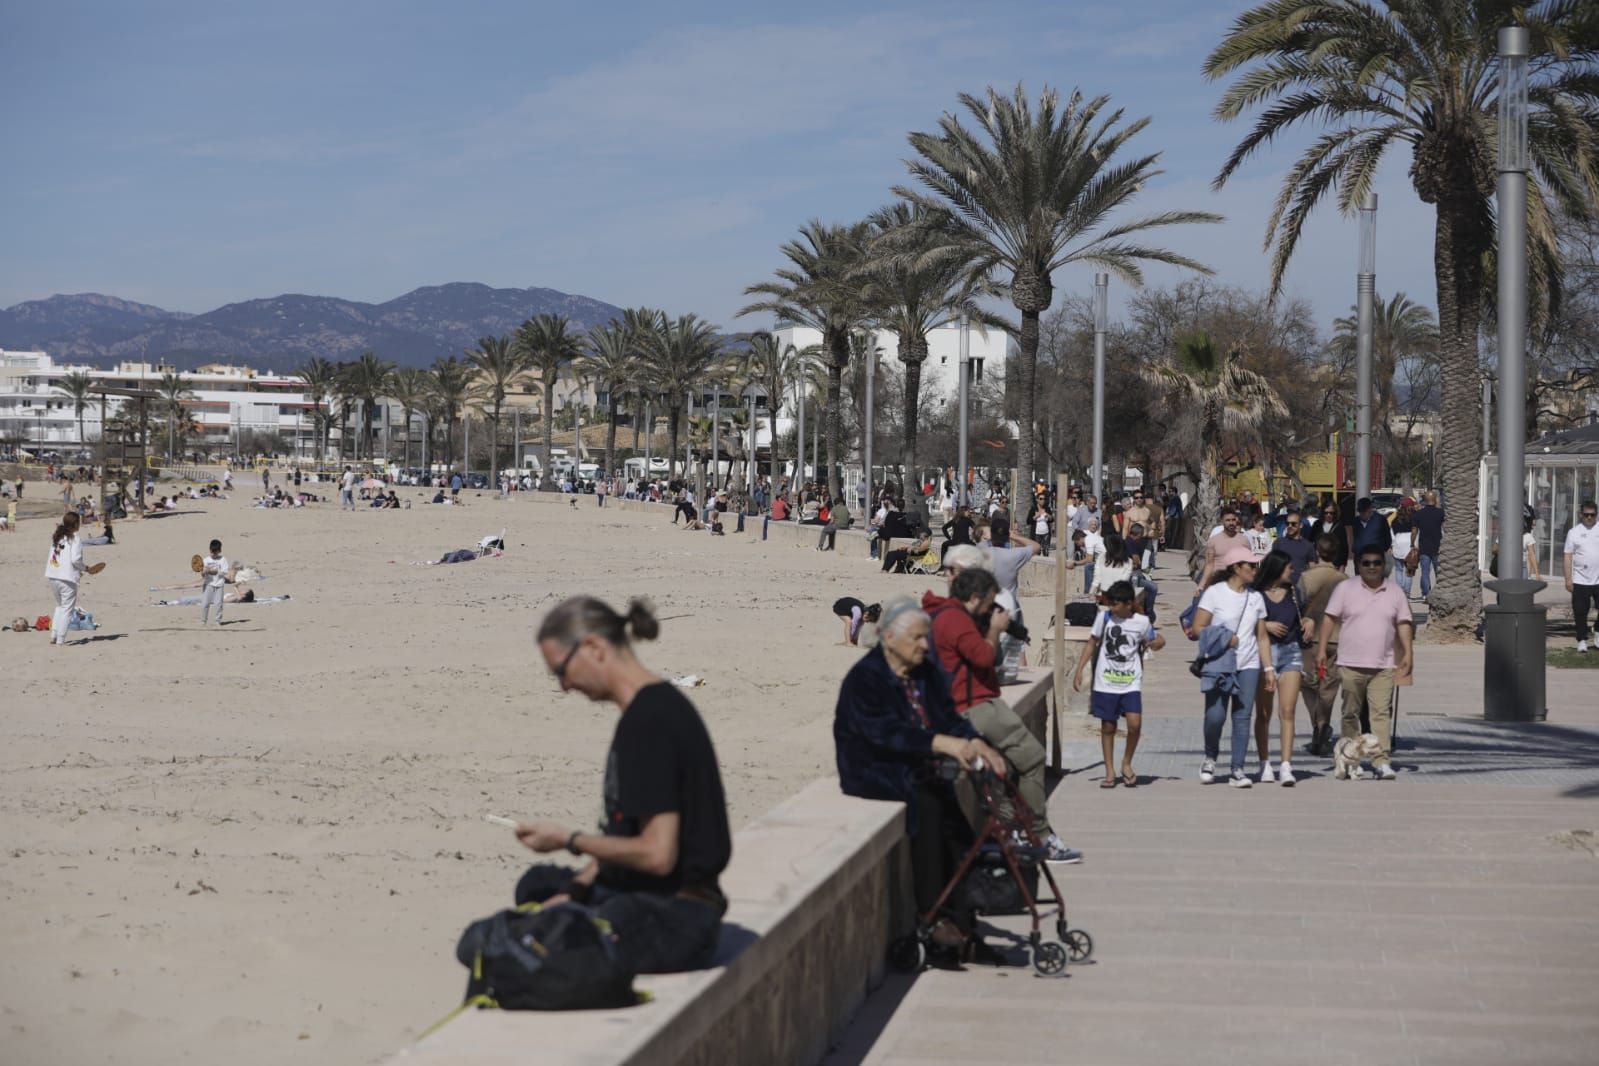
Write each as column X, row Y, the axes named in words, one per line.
column 560, row 671
column 1590, row 514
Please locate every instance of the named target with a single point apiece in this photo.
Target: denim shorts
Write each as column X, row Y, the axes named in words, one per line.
column 1288, row 658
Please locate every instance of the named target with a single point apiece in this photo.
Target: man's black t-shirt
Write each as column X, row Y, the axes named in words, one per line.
column 959, row 530
column 1429, row 523
column 661, row 761
column 1301, row 553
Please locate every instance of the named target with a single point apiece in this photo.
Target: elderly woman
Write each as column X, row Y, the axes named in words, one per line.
column 894, row 715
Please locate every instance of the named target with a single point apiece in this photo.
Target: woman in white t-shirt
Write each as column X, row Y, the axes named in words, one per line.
column 64, row 569
column 1229, row 601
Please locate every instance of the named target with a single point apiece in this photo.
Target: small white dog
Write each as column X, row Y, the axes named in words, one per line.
column 1350, row 752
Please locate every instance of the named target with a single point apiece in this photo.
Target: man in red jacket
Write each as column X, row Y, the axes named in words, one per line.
column 966, row 630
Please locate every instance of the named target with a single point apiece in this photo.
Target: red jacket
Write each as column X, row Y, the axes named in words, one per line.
column 966, row 655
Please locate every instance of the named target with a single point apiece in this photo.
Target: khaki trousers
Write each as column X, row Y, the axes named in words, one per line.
column 1005, row 731
column 1321, row 694
column 1371, row 691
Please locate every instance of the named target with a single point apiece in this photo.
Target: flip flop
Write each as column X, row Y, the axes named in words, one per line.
column 1130, row 780
column 1109, row 782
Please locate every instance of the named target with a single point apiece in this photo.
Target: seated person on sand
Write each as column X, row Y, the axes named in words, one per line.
column 894, row 718
column 899, row 560
column 654, row 864
column 106, row 536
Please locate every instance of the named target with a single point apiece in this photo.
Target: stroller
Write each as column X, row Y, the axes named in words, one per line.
column 998, row 875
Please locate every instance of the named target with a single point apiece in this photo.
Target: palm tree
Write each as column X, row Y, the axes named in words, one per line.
column 1034, row 194
column 550, row 346
column 319, row 376
column 501, row 366
column 1228, row 398
column 410, row 387
column 612, row 362
column 774, row 367
column 679, row 358
column 368, row 379
column 1401, row 330
column 821, row 289
column 450, row 387
column 1423, row 75
column 915, row 294
column 75, row 386
column 174, row 392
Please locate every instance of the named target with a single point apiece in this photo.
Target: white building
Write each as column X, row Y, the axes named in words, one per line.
column 227, row 401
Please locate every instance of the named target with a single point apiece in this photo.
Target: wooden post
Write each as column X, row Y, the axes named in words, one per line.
column 1063, row 544
column 104, row 465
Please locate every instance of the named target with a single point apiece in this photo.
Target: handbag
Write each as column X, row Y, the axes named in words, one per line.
column 1197, row 667
column 1412, row 559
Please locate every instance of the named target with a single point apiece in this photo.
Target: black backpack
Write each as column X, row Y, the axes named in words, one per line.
column 545, row 958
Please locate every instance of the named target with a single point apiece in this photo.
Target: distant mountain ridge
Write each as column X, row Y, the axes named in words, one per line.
column 280, row 333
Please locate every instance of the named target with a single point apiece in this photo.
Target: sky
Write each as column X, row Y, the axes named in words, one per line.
column 189, row 155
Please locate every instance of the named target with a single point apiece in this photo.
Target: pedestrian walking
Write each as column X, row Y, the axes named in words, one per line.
column 1223, row 541
column 1582, row 569
column 1407, row 557
column 1289, row 631
column 1116, row 648
column 347, row 490
column 213, row 581
column 1429, row 526
column 1230, row 619
column 1322, row 687
column 1374, row 650
column 64, row 570
column 1370, row 530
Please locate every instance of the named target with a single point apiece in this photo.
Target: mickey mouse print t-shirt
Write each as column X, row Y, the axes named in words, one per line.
column 1119, row 666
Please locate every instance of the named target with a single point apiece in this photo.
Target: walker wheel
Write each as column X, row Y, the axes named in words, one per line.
column 907, row 954
column 1080, row 944
column 1049, row 959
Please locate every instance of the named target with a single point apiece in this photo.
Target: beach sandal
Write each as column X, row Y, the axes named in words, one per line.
column 1109, row 782
column 1129, row 779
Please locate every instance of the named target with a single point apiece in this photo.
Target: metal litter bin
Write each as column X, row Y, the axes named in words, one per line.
column 1514, row 634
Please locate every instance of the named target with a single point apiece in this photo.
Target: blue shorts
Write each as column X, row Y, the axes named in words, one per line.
column 1288, row 658
column 1109, row 706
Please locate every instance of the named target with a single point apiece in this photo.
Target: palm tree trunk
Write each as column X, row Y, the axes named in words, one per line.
column 671, row 450
column 1456, row 601
column 1207, row 500
column 610, row 434
column 546, row 479
column 913, row 353
column 838, row 360
column 1031, row 294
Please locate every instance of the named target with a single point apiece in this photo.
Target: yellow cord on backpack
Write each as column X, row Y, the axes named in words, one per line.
column 475, row 1001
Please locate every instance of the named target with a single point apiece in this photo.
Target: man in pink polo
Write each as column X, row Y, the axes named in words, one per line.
column 1372, row 616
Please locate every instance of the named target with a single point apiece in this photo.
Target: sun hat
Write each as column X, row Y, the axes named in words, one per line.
column 1238, row 553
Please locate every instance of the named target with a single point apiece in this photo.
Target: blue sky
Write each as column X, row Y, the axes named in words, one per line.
column 188, row 155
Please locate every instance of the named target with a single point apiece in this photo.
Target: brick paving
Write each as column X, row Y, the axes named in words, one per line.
column 1449, row 917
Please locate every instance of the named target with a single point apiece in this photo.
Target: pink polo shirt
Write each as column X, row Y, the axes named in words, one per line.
column 1369, row 618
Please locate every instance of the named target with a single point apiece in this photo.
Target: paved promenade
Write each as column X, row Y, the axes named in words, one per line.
column 1447, row 917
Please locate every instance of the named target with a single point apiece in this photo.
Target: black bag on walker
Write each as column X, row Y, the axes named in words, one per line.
column 989, row 888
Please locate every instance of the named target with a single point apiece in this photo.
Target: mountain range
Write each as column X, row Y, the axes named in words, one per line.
column 280, row 333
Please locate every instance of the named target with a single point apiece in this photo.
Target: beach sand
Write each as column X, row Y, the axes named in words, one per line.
column 259, row 843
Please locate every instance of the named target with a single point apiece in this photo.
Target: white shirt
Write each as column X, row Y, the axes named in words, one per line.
column 1106, row 575
column 1241, row 612
column 1094, row 547
column 1119, row 664
column 348, row 481
column 1582, row 544
column 66, row 560
column 213, row 575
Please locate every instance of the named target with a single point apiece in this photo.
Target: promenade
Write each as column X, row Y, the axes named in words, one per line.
column 1450, row 916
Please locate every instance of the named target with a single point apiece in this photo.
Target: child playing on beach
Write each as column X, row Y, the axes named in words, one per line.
column 1123, row 637
column 213, row 576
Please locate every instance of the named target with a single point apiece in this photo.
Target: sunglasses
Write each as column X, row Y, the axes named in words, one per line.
column 1371, row 563
column 560, row 671
column 1590, row 514
column 1293, row 525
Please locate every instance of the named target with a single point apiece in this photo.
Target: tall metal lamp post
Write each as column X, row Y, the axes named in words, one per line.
column 1101, row 312
column 1514, row 628
column 1366, row 296
column 964, row 377
column 871, row 425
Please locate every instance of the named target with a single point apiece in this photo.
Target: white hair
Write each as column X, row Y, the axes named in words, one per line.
column 966, row 557
column 899, row 613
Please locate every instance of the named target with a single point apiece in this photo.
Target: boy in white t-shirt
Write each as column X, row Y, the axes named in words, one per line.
column 1116, row 648
column 213, row 578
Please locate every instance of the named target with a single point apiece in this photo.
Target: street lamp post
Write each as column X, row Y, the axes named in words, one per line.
column 1365, row 294
column 716, row 435
column 749, row 488
column 871, row 429
column 1514, row 628
column 1487, row 411
column 964, row 376
column 1101, row 312
column 799, row 433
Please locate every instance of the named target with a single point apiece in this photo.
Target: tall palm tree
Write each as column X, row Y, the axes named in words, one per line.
column 1401, row 330
column 174, row 392
column 410, row 387
column 75, row 386
column 451, row 385
column 319, row 376
column 1424, row 75
column 1228, row 398
column 501, row 366
column 549, row 346
column 916, row 293
column 774, row 367
column 643, row 325
column 611, row 360
column 368, row 379
column 679, row 358
column 1031, row 192
column 821, row 289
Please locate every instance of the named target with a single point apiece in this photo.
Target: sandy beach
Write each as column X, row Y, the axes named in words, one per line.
column 261, row 841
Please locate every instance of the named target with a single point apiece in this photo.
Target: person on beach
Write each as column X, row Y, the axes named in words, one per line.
column 347, row 490
column 1233, row 675
column 64, row 570
column 855, row 614
column 655, row 862
column 242, row 594
column 1116, row 647
column 1289, row 630
column 213, row 577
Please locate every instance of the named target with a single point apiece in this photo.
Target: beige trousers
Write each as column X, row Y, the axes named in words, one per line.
column 1009, row 735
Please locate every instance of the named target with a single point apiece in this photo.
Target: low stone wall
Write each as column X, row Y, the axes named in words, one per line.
column 816, row 888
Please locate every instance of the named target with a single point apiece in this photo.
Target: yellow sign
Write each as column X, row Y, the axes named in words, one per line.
column 1318, row 471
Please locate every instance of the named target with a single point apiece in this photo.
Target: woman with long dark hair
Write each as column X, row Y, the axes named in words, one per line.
column 64, row 569
column 1287, row 627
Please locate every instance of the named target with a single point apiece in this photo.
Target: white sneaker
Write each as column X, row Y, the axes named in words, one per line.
column 1240, row 780
column 1386, row 773
column 1285, row 775
column 1266, row 777
column 1582, row 645
column 1207, row 773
